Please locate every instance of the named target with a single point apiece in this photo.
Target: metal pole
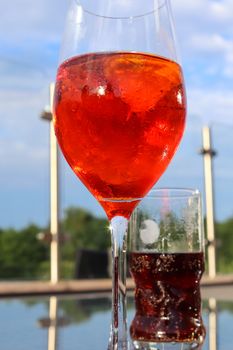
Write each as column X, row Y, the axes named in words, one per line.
column 54, row 199
column 208, row 154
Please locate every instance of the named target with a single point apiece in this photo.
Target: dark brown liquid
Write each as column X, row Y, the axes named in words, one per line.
column 167, row 297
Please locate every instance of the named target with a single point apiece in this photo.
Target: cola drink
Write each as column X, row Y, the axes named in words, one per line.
column 167, row 297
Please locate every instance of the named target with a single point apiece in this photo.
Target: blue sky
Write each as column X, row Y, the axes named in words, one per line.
column 30, row 35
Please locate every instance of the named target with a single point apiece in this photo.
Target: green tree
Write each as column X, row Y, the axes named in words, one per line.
column 224, row 237
column 83, row 230
column 23, row 256
column 21, row 253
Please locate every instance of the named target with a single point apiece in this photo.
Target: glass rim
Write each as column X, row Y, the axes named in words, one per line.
column 158, row 193
column 172, row 192
column 92, row 13
column 120, row 200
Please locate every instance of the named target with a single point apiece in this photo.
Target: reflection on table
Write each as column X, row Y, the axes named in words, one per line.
column 213, row 324
column 53, row 322
column 83, row 321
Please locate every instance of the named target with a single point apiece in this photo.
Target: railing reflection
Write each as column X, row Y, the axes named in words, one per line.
column 213, row 324
column 53, row 322
column 52, row 331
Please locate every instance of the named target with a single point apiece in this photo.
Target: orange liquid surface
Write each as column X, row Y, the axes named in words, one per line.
column 119, row 118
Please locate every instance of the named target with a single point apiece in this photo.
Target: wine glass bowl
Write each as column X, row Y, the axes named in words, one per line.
column 119, row 112
column 119, row 119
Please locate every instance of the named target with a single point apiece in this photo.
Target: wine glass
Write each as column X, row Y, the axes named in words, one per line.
column 119, row 113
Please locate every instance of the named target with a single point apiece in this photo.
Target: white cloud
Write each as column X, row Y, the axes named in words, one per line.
column 205, row 34
column 211, row 105
column 213, row 43
column 221, row 11
column 26, row 19
column 228, row 68
column 23, row 136
column 216, row 51
column 204, row 12
column 22, row 166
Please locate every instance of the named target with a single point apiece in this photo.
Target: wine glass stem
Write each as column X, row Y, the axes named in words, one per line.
column 118, row 338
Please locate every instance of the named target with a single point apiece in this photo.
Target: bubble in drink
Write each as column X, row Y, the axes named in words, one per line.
column 167, row 297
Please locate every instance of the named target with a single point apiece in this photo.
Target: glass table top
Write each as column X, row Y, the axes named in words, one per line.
column 82, row 322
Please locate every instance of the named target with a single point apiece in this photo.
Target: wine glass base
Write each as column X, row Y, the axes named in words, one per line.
column 140, row 345
column 121, row 345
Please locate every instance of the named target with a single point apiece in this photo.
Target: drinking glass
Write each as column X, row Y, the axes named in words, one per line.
column 119, row 112
column 166, row 261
